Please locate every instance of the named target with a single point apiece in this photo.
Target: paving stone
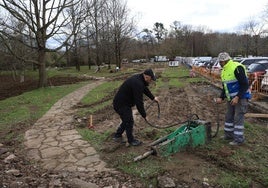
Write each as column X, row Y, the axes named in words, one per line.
column 54, row 141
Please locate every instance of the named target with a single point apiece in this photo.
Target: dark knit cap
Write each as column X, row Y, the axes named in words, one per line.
column 150, row 72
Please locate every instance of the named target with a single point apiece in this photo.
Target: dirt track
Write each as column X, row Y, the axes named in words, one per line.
column 186, row 169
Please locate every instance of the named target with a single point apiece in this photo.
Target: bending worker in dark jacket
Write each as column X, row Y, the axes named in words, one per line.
column 236, row 91
column 130, row 94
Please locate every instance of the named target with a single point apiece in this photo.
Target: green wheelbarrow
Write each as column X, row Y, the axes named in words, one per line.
column 191, row 134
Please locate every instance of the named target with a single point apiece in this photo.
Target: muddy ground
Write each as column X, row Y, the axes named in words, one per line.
column 185, row 169
column 177, row 106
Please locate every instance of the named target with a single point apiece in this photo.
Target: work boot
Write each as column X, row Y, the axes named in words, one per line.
column 119, row 139
column 135, row 143
column 235, row 143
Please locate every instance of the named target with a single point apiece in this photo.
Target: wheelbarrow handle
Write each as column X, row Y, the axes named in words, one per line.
column 143, row 156
column 159, row 140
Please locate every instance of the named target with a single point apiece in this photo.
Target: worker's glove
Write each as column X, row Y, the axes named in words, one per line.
column 156, row 99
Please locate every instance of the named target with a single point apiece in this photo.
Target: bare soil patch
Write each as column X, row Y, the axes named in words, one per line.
column 186, row 168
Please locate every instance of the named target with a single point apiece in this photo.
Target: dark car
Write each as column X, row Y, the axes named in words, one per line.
column 250, row 60
column 255, row 73
column 258, row 67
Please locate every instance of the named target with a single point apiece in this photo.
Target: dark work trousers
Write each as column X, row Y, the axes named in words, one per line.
column 127, row 123
column 234, row 120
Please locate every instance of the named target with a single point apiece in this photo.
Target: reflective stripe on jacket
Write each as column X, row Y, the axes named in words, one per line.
column 230, row 83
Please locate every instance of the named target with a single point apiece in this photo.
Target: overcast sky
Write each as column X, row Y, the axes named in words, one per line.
column 218, row 15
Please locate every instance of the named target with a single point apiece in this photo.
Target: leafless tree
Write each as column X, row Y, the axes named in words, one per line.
column 179, row 35
column 95, row 22
column 121, row 26
column 78, row 13
column 254, row 29
column 45, row 21
column 149, row 41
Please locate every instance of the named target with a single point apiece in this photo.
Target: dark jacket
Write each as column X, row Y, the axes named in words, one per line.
column 131, row 93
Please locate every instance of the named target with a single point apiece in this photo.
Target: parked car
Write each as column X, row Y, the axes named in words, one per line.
column 216, row 66
column 250, row 60
column 258, row 67
column 136, row 61
column 161, row 59
column 255, row 73
column 238, row 58
column 264, row 82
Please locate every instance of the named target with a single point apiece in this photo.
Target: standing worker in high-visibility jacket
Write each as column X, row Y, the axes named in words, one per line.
column 236, row 91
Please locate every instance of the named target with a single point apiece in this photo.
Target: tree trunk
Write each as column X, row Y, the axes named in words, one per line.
column 88, row 56
column 22, row 76
column 42, row 69
column 77, row 61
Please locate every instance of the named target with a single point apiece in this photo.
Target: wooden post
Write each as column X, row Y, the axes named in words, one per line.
column 256, row 115
column 90, row 122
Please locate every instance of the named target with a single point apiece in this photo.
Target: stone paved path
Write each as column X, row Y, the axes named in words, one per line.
column 54, row 142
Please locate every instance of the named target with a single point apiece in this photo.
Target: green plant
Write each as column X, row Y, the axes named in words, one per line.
column 147, row 170
column 31, row 105
column 231, row 180
column 95, row 138
column 100, row 92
